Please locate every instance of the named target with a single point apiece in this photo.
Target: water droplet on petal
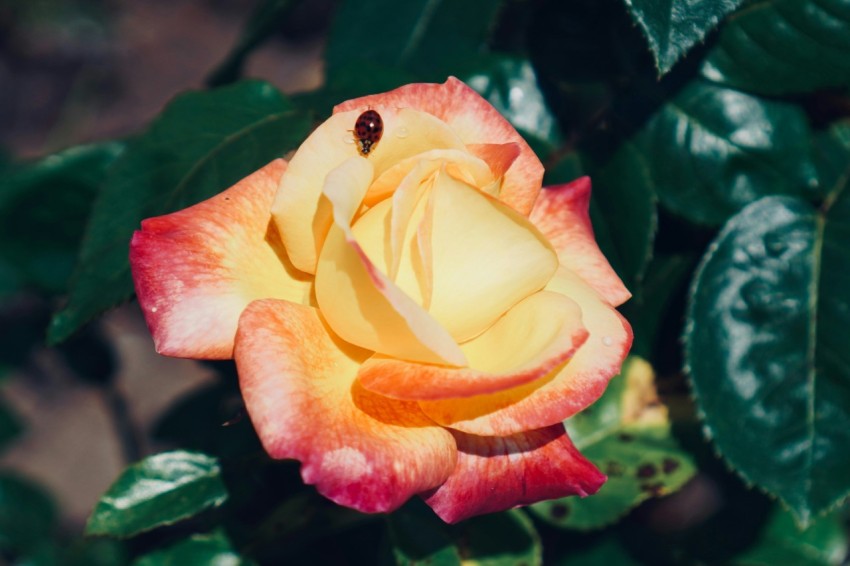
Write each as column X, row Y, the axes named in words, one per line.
column 402, row 132
column 607, row 340
column 349, row 139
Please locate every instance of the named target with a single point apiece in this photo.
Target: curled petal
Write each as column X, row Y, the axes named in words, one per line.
column 537, row 335
column 563, row 392
column 195, row 270
column 475, row 121
column 360, row 302
column 561, row 213
column 359, row 449
column 301, row 214
column 498, row 473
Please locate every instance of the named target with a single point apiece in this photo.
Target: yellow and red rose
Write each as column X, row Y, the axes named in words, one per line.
column 417, row 321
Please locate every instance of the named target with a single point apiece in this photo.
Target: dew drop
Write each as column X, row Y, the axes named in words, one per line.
column 348, row 138
column 607, row 340
column 153, row 309
column 402, row 132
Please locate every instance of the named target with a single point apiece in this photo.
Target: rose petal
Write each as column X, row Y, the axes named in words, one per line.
column 498, row 473
column 195, row 270
column 300, row 213
column 561, row 213
column 462, row 165
column 562, row 393
column 359, row 449
column 360, row 302
column 486, row 258
column 534, row 337
column 475, row 121
column 499, row 156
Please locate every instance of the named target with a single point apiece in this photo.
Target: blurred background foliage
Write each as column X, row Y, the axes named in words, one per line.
column 717, row 136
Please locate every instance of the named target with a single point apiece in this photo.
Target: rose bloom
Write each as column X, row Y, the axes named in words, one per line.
column 419, row 320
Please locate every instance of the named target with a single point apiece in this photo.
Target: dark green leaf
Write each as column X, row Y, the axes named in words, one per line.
column 213, row 549
column 43, row 211
column 160, row 490
column 623, row 211
column 627, row 435
column 665, row 275
column 263, row 22
column 419, row 537
column 711, row 151
column 767, row 348
column 422, row 35
column 783, row 544
column 674, row 26
column 608, row 551
column 27, row 515
column 500, row 539
column 832, row 157
column 510, row 85
column 10, row 427
column 201, row 144
column 783, row 46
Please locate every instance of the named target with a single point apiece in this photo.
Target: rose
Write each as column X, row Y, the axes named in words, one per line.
column 416, row 321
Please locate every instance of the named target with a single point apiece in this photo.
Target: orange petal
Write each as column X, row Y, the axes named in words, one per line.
column 562, row 393
column 534, row 337
column 561, row 213
column 475, row 121
column 195, row 270
column 360, row 302
column 499, row 156
column 359, row 449
column 498, row 473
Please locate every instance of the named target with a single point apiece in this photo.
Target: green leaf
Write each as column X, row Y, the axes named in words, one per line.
column 500, row 539
column 783, row 544
column 418, row 537
column 711, row 151
column 201, row 144
column 27, row 515
column 766, row 346
column 674, row 26
column 510, row 85
column 10, row 426
column 832, row 157
column 213, row 549
column 43, row 210
column 160, row 490
column 263, row 22
column 608, row 551
column 623, row 211
column 783, row 47
column 627, row 435
column 421, row 35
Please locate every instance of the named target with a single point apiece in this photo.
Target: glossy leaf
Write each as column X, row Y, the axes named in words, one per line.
column 711, row 151
column 420, row 35
column 43, row 211
column 627, row 435
column 510, row 85
column 832, row 156
column 673, row 27
column 766, row 346
column 160, row 490
column 418, row 538
column 500, row 539
column 213, row 549
column 783, row 544
column 27, row 515
column 201, row 144
column 623, row 210
column 783, row 46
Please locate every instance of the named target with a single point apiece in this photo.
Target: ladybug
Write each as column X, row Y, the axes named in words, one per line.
column 368, row 130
